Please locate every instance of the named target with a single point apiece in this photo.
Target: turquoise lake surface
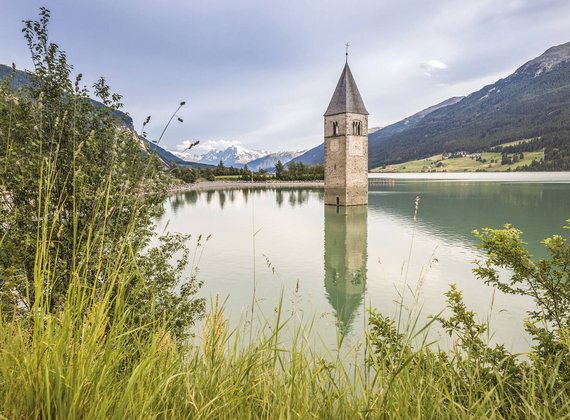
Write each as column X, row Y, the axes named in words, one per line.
column 327, row 265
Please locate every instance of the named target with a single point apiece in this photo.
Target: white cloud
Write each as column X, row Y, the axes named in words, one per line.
column 206, row 146
column 431, row 65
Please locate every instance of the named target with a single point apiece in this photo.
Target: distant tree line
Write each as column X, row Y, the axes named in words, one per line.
column 556, row 148
column 294, row 172
column 298, row 171
column 192, row 174
column 507, row 159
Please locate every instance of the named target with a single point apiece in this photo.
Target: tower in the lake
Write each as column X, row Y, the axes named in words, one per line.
column 346, row 145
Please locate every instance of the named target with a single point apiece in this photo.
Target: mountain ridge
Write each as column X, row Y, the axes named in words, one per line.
column 316, row 155
column 269, row 161
column 532, row 102
column 239, row 156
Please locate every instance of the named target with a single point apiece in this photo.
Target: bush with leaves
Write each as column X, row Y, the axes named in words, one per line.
column 73, row 167
column 390, row 347
column 546, row 281
column 475, row 368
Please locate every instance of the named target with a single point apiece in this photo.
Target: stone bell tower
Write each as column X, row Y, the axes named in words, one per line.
column 346, row 145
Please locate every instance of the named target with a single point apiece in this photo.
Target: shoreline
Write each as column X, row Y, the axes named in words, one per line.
column 224, row 185
column 373, row 178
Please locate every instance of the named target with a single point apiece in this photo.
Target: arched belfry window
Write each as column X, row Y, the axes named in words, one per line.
column 356, row 128
column 335, row 128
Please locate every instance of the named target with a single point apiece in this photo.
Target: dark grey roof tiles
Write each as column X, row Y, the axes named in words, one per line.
column 346, row 97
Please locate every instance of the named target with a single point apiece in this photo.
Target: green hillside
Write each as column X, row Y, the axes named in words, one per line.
column 486, row 161
column 533, row 102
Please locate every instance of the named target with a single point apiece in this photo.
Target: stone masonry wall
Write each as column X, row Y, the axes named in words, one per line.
column 346, row 161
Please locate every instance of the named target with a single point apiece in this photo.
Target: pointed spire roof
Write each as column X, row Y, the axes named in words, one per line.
column 346, row 97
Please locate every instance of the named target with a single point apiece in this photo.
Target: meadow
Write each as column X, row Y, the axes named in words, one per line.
column 490, row 161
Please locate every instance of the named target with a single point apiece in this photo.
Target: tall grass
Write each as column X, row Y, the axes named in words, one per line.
column 87, row 360
column 77, row 364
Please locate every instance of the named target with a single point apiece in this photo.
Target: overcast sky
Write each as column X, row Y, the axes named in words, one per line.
column 261, row 72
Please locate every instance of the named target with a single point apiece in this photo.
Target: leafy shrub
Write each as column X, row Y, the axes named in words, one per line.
column 473, row 370
column 78, row 192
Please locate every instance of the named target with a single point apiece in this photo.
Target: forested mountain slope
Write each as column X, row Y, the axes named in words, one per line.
column 533, row 102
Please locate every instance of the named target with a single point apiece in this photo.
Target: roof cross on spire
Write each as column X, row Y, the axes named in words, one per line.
column 347, row 45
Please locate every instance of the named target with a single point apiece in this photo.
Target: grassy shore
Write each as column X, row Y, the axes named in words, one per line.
column 490, row 161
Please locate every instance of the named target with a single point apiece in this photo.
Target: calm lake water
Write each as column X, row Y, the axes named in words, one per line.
column 329, row 264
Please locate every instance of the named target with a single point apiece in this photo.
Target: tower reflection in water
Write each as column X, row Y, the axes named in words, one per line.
column 345, row 261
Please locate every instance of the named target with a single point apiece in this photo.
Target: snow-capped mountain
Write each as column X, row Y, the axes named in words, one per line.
column 269, row 161
column 236, row 156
